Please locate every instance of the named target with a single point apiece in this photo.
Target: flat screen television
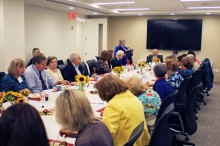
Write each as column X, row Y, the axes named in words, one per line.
column 169, row 34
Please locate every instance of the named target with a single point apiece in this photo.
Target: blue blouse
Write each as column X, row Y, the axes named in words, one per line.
column 163, row 88
column 175, row 80
column 10, row 83
column 151, row 102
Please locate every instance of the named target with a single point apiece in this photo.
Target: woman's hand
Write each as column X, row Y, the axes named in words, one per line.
column 68, row 133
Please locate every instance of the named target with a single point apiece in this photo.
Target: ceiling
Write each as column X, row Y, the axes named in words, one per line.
column 135, row 7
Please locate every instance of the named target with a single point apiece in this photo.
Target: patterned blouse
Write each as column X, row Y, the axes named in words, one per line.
column 151, row 102
column 10, row 83
column 175, row 80
column 102, row 67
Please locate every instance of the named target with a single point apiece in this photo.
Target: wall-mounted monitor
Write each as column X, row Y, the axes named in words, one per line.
column 169, row 34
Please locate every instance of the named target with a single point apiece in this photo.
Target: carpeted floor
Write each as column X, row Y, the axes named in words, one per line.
column 208, row 133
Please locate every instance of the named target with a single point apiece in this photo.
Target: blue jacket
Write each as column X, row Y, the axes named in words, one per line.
column 124, row 49
column 208, row 76
column 163, row 88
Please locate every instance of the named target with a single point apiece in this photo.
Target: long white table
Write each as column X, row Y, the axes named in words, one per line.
column 52, row 127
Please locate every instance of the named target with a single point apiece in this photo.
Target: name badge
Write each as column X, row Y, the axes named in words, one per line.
column 20, row 80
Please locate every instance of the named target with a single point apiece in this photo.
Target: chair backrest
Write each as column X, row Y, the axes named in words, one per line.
column 85, row 69
column 166, row 103
column 61, row 67
column 68, row 61
column 181, row 97
column 136, row 133
column 161, row 135
column 187, row 115
column 2, row 74
column 92, row 65
column 60, row 62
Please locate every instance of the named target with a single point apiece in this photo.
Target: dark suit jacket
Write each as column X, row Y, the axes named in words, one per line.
column 69, row 72
column 150, row 58
column 115, row 62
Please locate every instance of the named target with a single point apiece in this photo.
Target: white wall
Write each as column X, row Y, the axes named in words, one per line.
column 80, row 38
column 51, row 31
column 92, row 35
column 11, row 31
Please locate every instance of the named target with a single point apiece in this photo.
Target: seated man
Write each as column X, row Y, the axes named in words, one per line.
column 150, row 58
column 73, row 68
column 121, row 46
column 117, row 61
column 35, row 51
column 36, row 76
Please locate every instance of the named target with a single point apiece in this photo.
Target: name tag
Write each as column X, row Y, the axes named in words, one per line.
column 20, row 80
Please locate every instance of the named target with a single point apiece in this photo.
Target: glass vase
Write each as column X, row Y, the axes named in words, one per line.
column 81, row 87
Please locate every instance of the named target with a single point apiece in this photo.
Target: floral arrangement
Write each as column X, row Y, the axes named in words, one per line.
column 141, row 65
column 118, row 70
column 156, row 60
column 81, row 79
column 13, row 97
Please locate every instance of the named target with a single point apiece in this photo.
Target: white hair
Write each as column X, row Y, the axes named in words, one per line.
column 120, row 52
column 73, row 56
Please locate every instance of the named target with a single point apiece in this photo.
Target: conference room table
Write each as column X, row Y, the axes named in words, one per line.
column 52, row 127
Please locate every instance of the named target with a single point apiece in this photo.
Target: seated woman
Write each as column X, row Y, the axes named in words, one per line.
column 149, row 99
column 188, row 63
column 102, row 65
column 161, row 86
column 180, row 65
column 74, row 113
column 196, row 64
column 15, row 80
column 174, row 78
column 194, row 54
column 116, row 61
column 18, row 127
column 123, row 112
column 53, row 71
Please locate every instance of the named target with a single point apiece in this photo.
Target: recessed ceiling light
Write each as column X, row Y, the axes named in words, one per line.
column 140, row 14
column 115, row 11
column 71, row 8
column 133, row 9
column 114, row 3
column 70, row 0
column 214, row 7
column 172, row 13
column 95, row 13
column 208, row 13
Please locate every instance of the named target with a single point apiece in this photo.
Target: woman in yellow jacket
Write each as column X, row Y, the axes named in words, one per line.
column 123, row 112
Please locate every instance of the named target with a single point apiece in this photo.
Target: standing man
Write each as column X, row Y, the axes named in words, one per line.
column 121, row 46
column 35, row 51
column 73, row 68
column 36, row 76
column 155, row 52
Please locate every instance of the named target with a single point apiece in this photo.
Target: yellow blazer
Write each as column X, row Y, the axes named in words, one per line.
column 122, row 115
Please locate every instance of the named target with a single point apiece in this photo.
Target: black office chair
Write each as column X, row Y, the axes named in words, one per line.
column 188, row 123
column 61, row 67
column 162, row 135
column 85, row 69
column 68, row 61
column 181, row 97
column 135, row 134
column 167, row 102
column 60, row 62
column 92, row 66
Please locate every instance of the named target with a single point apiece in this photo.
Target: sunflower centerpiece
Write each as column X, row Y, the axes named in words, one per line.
column 12, row 97
column 141, row 65
column 118, row 70
column 82, row 80
column 156, row 60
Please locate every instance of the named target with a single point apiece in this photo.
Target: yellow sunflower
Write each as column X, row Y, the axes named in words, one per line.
column 20, row 100
column 154, row 59
column 81, row 78
column 88, row 80
column 18, row 95
column 158, row 60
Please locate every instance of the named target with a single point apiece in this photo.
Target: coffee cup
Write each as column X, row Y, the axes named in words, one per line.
column 59, row 87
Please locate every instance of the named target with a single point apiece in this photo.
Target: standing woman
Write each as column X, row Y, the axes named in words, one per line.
column 15, row 80
column 123, row 112
column 74, row 113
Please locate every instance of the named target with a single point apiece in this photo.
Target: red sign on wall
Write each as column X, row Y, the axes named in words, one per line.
column 72, row 15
